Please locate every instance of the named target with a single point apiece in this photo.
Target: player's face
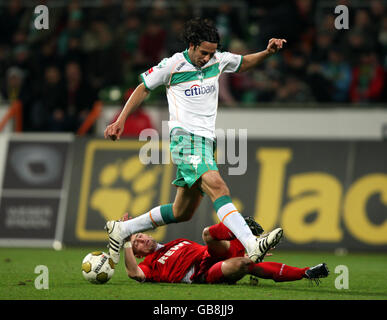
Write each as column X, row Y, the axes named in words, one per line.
column 202, row 53
column 143, row 244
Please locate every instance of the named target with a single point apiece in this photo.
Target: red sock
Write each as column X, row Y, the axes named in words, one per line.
column 277, row 271
column 220, row 232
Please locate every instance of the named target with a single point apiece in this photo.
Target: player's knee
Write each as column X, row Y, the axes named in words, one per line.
column 213, row 182
column 223, row 190
column 218, row 188
column 236, row 268
column 242, row 264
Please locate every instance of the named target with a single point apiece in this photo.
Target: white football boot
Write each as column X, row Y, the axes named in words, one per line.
column 113, row 229
column 264, row 244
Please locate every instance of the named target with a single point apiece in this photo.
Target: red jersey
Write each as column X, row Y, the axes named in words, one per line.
column 171, row 262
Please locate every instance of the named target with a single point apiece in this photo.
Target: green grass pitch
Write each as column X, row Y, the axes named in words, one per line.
column 367, row 279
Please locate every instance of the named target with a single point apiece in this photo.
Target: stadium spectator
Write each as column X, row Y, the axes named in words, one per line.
column 382, row 44
column 69, row 39
column 4, row 61
column 269, row 80
column 377, row 12
column 221, row 260
column 107, row 12
column 258, row 85
column 338, row 72
column 367, row 79
column 319, row 84
column 382, row 41
column 46, row 55
column 52, row 100
column 275, row 18
column 322, row 46
column 305, row 9
column 237, row 86
column 152, row 43
column 296, row 64
column 355, row 44
column 127, row 41
column 292, row 90
column 363, row 23
column 10, row 17
column 14, row 86
column 173, row 42
column 224, row 22
column 128, row 37
column 114, row 42
column 102, row 65
column 129, row 8
column 21, row 57
column 79, row 99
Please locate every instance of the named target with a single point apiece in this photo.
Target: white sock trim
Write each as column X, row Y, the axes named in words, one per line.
column 147, row 221
column 232, row 219
column 156, row 218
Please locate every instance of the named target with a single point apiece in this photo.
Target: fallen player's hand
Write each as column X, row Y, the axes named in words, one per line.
column 127, row 244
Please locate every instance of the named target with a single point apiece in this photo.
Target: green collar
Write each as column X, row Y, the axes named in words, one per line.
column 186, row 56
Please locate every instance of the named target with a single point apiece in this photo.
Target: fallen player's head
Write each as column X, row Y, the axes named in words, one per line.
column 142, row 244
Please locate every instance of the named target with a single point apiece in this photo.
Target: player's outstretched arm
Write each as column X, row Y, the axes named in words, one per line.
column 114, row 130
column 131, row 266
column 250, row 61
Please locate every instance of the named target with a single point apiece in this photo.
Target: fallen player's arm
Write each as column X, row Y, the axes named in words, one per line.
column 131, row 266
column 250, row 61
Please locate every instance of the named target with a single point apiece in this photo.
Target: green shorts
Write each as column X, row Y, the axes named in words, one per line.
column 193, row 156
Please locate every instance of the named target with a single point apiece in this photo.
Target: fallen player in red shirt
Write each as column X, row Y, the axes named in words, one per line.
column 221, row 260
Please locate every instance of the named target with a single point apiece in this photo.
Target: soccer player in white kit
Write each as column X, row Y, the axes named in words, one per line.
column 191, row 79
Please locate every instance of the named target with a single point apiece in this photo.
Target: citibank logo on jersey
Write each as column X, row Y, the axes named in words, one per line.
column 196, row 90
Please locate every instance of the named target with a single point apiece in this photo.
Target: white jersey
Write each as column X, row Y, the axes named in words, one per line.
column 192, row 92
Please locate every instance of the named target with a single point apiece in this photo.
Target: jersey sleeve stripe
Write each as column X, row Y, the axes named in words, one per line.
column 143, row 80
column 240, row 64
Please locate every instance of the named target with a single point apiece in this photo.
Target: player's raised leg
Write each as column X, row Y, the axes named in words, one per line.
column 217, row 238
column 182, row 209
column 215, row 187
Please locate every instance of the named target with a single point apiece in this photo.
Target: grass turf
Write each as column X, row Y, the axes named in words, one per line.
column 367, row 279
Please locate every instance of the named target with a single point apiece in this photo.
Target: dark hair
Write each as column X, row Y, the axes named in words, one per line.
column 198, row 30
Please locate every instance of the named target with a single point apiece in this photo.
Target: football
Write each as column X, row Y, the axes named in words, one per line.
column 97, row 267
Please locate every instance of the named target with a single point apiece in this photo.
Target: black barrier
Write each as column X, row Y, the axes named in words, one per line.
column 33, row 196
column 324, row 194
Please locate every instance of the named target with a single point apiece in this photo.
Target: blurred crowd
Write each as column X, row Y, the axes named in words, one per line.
column 90, row 52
